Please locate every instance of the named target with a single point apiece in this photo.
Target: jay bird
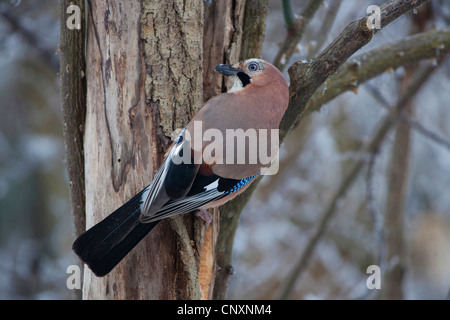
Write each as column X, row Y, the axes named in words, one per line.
column 257, row 100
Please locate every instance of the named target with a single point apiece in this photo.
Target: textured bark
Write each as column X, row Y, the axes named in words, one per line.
column 73, row 106
column 144, row 76
column 221, row 40
column 172, row 33
column 208, row 260
column 254, row 28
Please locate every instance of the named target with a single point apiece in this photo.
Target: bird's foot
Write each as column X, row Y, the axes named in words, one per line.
column 205, row 216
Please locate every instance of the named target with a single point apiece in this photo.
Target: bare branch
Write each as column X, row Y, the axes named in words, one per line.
column 377, row 215
column 371, row 64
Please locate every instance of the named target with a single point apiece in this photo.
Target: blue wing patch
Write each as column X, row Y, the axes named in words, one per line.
column 242, row 183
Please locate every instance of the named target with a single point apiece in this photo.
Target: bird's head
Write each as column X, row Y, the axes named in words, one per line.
column 255, row 72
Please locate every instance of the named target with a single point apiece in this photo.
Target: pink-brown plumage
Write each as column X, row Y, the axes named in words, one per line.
column 257, row 100
column 259, row 105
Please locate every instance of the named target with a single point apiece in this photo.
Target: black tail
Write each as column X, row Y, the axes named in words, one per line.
column 104, row 245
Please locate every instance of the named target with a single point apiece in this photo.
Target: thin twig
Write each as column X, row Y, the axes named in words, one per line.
column 324, row 30
column 377, row 215
column 375, row 93
column 46, row 55
column 424, row 131
column 288, row 14
column 416, row 125
column 378, row 220
column 294, row 34
column 328, row 213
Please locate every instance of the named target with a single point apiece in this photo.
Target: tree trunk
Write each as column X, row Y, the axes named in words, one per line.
column 397, row 187
column 394, row 216
column 145, row 79
column 73, row 109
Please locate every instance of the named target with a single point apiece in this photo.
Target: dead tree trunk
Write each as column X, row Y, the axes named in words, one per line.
column 144, row 70
column 144, row 81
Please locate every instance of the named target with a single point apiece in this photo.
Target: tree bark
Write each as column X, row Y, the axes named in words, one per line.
column 73, row 107
column 254, row 28
column 145, row 80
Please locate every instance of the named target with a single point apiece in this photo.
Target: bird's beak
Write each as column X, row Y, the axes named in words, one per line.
column 227, row 69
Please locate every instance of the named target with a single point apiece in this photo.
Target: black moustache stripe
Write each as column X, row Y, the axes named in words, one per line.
column 245, row 79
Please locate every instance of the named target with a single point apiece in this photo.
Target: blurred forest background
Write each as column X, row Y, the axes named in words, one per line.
column 405, row 186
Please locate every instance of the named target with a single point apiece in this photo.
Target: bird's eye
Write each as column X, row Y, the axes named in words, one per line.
column 253, row 66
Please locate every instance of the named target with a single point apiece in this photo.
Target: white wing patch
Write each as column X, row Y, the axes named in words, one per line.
column 213, row 185
column 173, row 208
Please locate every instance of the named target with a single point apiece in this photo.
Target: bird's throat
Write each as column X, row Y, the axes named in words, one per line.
column 240, row 81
